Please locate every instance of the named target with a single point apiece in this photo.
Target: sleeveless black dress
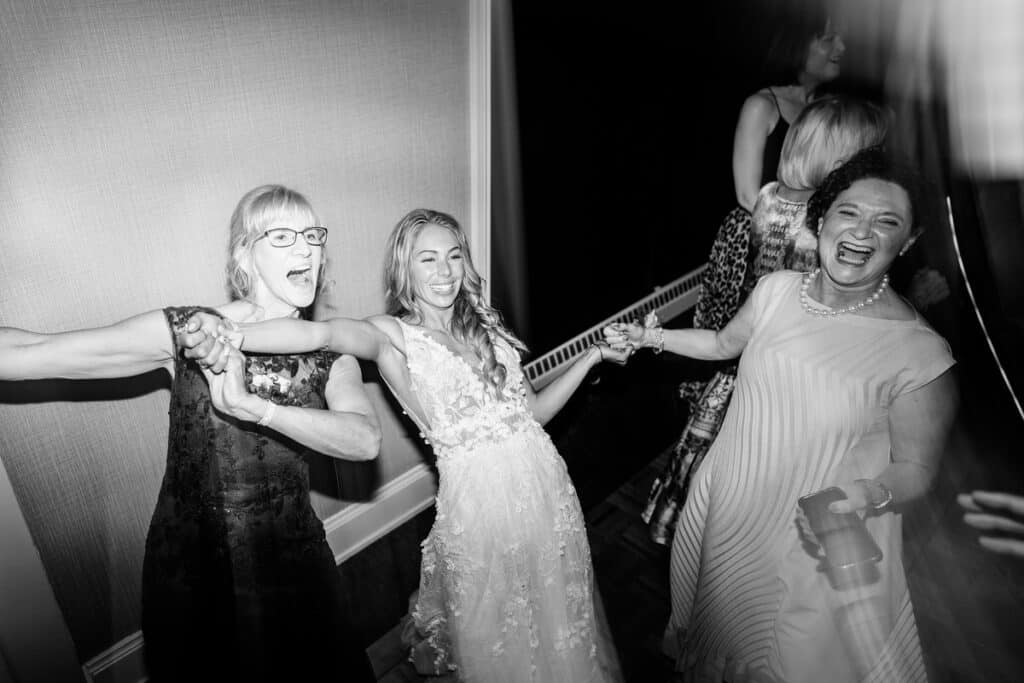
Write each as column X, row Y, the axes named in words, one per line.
column 239, row 583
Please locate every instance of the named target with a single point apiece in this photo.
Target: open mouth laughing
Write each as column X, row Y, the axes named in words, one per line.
column 301, row 276
column 853, row 254
column 443, row 288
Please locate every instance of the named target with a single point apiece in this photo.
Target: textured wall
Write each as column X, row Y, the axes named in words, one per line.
column 128, row 130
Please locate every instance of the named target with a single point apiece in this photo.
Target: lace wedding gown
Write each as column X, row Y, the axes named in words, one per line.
column 507, row 588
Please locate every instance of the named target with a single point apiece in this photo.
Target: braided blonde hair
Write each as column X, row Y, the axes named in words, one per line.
column 474, row 322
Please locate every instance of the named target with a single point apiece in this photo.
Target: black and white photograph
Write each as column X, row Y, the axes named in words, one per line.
column 511, row 341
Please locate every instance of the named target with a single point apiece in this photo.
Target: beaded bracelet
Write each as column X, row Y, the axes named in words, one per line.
column 659, row 339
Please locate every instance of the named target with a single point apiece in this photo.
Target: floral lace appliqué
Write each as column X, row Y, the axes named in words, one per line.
column 506, row 587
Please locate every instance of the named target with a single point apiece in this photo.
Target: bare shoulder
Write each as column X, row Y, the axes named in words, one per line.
column 390, row 326
column 758, row 111
column 387, row 324
column 761, row 103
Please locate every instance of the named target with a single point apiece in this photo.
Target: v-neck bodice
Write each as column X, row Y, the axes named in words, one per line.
column 460, row 405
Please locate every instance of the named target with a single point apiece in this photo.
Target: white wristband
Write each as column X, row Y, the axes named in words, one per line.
column 268, row 415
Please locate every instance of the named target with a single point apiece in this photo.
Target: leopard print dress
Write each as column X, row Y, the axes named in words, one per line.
column 723, row 289
column 746, row 248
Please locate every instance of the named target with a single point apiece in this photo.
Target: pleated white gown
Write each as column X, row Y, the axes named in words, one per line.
column 810, row 410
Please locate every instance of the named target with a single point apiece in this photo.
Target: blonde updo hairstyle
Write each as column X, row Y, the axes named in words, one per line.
column 474, row 322
column 258, row 211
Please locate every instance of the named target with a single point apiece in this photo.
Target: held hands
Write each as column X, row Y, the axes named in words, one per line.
column 1000, row 517
column 213, row 342
column 207, row 339
column 620, row 336
column 612, row 354
column 636, row 336
column 227, row 388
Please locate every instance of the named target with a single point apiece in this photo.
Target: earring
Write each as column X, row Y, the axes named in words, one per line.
column 821, row 222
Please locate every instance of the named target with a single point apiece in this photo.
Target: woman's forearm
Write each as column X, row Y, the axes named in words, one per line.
column 284, row 335
column 907, row 481
column 699, row 344
column 344, row 435
column 127, row 348
column 554, row 396
column 21, row 354
column 358, row 338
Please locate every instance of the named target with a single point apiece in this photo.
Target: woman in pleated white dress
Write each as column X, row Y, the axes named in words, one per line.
column 840, row 383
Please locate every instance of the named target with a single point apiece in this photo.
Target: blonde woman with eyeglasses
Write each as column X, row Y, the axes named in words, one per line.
column 238, row 580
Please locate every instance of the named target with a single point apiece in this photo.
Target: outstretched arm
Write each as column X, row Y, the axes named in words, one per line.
column 130, row 347
column 546, row 403
column 727, row 343
column 348, row 429
column 358, row 338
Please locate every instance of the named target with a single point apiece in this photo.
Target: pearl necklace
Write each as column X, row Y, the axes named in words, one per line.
column 805, row 300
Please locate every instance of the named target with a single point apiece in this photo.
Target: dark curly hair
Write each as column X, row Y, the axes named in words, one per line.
column 873, row 162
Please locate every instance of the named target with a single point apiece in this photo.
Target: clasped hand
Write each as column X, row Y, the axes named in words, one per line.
column 213, row 344
column 622, row 336
column 208, row 339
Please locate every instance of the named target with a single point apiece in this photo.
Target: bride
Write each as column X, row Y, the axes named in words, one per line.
column 507, row 590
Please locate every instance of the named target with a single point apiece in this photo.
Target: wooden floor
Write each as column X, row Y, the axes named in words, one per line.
column 968, row 602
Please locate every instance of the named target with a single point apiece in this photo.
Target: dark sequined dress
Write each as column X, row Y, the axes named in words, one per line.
column 239, row 583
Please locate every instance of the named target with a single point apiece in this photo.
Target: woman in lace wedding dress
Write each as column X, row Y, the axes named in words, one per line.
column 507, row 590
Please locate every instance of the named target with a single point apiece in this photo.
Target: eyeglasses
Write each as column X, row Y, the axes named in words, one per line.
column 285, row 237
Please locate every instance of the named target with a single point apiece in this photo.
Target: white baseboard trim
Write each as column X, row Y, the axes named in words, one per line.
column 396, row 502
column 348, row 532
column 122, row 662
